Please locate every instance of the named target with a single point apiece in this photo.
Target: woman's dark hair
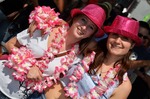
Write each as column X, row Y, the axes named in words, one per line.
column 85, row 42
column 101, row 56
column 144, row 25
column 71, row 5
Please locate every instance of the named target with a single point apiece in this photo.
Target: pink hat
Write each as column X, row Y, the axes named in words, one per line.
column 126, row 27
column 94, row 12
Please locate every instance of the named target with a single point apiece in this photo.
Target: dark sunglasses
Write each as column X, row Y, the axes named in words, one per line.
column 142, row 36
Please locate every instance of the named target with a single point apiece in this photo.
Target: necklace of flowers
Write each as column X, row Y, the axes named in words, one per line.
column 46, row 18
column 95, row 93
column 21, row 60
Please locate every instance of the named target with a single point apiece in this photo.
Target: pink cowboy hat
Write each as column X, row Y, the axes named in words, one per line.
column 94, row 12
column 126, row 27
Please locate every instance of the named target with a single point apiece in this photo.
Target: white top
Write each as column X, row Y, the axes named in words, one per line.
column 13, row 88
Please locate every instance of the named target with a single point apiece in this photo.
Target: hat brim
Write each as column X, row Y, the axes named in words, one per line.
column 75, row 12
column 135, row 38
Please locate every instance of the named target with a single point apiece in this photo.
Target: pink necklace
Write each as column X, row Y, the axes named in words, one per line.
column 21, row 60
column 95, row 93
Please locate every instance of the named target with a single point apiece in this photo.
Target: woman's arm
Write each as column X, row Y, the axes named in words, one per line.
column 123, row 90
column 55, row 92
column 12, row 43
column 60, row 4
column 139, row 63
column 145, row 77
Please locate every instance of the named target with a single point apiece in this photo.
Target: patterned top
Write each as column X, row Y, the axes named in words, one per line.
column 89, row 82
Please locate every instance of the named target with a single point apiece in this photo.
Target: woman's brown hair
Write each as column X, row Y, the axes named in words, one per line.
column 101, row 55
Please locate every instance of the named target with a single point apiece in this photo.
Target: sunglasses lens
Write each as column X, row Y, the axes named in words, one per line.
column 145, row 37
column 142, row 36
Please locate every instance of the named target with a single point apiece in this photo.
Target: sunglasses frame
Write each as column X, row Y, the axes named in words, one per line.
column 142, row 36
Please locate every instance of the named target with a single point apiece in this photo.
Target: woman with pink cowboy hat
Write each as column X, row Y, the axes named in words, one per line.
column 106, row 77
column 48, row 57
column 112, row 60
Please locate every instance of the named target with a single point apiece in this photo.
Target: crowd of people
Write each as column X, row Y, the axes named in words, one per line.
column 78, row 49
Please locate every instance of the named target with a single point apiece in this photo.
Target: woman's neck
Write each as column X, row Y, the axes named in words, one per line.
column 111, row 59
column 70, row 41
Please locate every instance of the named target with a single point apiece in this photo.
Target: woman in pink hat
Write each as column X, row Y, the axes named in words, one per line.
column 106, row 77
column 41, row 59
column 112, row 60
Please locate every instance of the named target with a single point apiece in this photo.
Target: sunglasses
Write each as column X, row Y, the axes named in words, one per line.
column 142, row 36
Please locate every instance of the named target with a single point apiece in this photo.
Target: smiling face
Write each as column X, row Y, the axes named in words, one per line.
column 118, row 45
column 82, row 27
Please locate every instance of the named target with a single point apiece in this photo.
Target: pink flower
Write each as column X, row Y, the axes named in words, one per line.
column 45, row 17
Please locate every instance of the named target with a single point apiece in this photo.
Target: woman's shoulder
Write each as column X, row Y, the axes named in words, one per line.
column 126, row 84
column 123, row 90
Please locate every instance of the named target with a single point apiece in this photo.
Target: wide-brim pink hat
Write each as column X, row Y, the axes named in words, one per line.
column 126, row 27
column 94, row 12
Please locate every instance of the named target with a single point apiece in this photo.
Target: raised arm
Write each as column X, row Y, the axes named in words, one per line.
column 12, row 43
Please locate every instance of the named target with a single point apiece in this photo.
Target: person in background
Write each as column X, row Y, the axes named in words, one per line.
column 71, row 5
column 117, row 10
column 84, row 25
column 140, row 76
column 8, row 11
column 50, row 3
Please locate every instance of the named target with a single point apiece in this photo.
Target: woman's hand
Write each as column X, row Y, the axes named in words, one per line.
column 32, row 28
column 34, row 74
column 34, row 24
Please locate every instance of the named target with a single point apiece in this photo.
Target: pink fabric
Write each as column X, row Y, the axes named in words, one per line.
column 126, row 27
column 94, row 12
column 4, row 57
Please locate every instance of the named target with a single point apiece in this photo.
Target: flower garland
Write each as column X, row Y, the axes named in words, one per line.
column 21, row 60
column 46, row 18
column 95, row 93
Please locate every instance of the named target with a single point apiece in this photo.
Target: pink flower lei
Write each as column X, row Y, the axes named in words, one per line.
column 45, row 17
column 21, row 60
column 95, row 93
